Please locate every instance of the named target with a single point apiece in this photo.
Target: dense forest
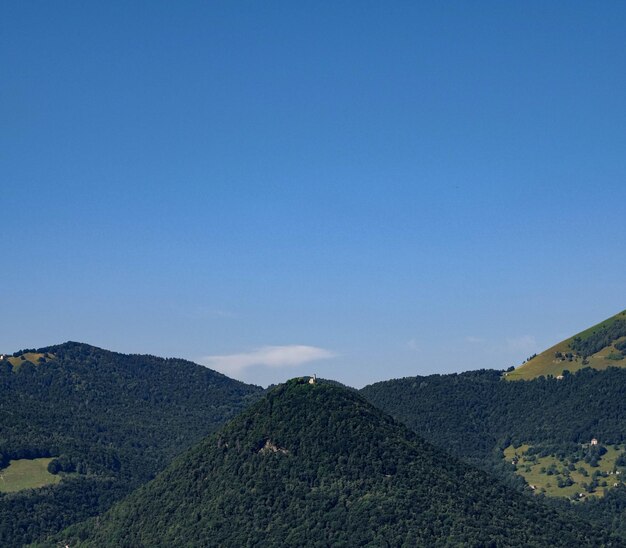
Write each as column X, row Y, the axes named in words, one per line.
column 316, row 465
column 475, row 415
column 471, row 414
column 111, row 421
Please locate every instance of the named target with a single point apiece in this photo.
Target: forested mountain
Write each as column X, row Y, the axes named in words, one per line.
column 472, row 413
column 475, row 415
column 599, row 347
column 110, row 421
column 316, row 465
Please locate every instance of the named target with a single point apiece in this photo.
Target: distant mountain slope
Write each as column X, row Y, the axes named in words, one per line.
column 475, row 415
column 111, row 421
column 316, row 465
column 472, row 414
column 599, row 347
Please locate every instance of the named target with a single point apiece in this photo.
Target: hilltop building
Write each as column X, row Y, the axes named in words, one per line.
column 594, row 441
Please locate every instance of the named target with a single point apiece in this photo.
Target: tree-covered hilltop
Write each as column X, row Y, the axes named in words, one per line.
column 475, row 415
column 316, row 465
column 112, row 421
column 469, row 414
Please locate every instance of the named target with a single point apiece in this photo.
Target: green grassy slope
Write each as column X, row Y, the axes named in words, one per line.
column 550, row 362
column 35, row 358
column 26, row 474
column 566, row 474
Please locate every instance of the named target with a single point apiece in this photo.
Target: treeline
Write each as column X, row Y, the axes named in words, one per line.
column 111, row 421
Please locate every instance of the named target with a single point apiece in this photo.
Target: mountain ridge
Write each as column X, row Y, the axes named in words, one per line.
column 109, row 421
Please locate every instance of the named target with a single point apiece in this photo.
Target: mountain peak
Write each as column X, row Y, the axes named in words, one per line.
column 316, row 464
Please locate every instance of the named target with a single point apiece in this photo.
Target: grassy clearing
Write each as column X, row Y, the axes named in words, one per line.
column 26, row 474
column 551, row 474
column 33, row 357
column 546, row 363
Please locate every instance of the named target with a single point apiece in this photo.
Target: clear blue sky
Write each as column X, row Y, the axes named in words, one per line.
column 388, row 189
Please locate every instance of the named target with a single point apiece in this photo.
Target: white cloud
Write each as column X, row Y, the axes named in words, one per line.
column 474, row 340
column 268, row 356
